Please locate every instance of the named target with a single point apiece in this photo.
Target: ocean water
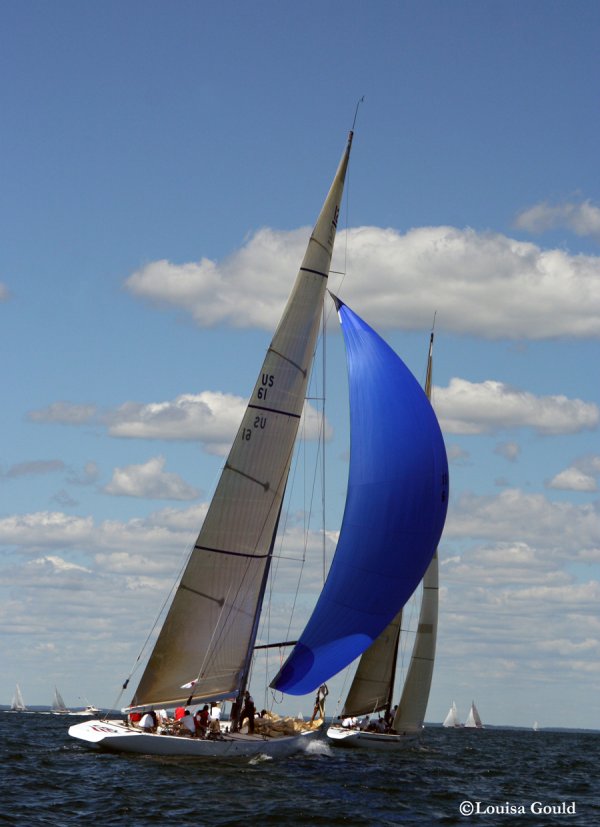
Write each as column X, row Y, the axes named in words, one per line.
column 505, row 776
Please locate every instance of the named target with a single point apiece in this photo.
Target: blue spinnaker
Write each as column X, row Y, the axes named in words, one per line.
column 395, row 511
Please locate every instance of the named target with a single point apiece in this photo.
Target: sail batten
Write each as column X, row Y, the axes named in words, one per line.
column 232, row 553
column 395, row 511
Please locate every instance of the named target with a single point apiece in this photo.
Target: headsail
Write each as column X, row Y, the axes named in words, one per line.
column 395, row 511
column 210, row 628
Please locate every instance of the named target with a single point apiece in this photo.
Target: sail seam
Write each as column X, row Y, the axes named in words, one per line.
column 232, row 553
column 271, row 410
column 316, row 272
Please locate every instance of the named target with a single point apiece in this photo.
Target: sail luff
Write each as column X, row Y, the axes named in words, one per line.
column 209, row 628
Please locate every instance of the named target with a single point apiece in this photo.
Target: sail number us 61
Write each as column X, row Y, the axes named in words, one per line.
column 260, row 420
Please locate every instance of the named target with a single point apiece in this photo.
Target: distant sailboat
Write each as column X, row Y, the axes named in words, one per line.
column 372, row 688
column 395, row 511
column 18, row 704
column 536, row 726
column 58, row 705
column 473, row 720
column 452, row 719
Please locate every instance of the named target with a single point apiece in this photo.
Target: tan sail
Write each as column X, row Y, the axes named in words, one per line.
column 209, row 631
column 374, row 675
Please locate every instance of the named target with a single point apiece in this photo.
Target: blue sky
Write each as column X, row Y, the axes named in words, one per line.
column 160, row 165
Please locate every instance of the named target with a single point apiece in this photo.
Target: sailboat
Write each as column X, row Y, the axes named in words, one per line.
column 452, row 719
column 372, row 688
column 18, row 704
column 58, row 705
column 473, row 720
column 204, row 650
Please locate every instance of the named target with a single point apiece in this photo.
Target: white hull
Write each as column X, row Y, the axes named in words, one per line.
column 116, row 736
column 342, row 737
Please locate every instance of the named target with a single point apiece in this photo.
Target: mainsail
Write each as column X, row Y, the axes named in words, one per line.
column 210, row 629
column 395, row 511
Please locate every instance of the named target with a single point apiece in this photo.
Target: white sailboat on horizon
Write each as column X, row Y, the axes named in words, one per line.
column 58, row 704
column 204, row 651
column 452, row 718
column 473, row 718
column 18, row 704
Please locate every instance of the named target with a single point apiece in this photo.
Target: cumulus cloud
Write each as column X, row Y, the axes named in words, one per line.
column 245, row 290
column 564, row 529
column 151, row 481
column 45, row 529
column 463, row 407
column 476, row 408
column 573, row 479
column 209, row 417
column 485, row 284
column 580, row 476
column 512, row 606
column 582, row 218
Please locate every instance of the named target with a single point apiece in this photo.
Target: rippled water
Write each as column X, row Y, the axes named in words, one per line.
column 48, row 778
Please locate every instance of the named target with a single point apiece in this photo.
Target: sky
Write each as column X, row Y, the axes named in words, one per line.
column 161, row 166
